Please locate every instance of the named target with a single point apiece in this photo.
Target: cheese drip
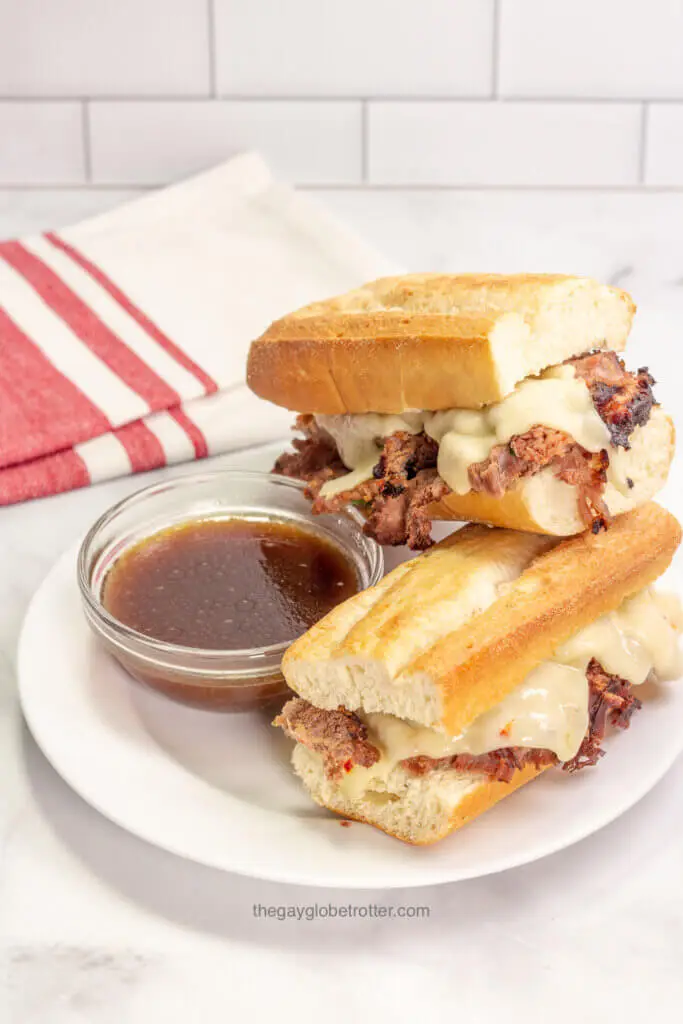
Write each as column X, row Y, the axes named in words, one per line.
column 549, row 710
column 359, row 442
column 557, row 399
column 359, row 437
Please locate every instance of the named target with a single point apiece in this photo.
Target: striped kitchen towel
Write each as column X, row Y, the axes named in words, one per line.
column 123, row 340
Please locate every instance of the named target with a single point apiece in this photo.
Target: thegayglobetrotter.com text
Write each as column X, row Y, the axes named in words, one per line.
column 318, row 911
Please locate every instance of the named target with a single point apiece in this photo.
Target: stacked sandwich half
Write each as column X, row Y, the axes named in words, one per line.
column 496, row 653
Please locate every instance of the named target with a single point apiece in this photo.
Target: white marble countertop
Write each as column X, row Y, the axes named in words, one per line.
column 96, row 927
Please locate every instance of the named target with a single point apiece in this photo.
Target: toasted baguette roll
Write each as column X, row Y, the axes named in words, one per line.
column 433, row 341
column 448, row 635
column 419, row 809
column 544, row 504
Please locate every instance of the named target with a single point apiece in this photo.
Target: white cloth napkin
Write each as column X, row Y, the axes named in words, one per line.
column 123, row 339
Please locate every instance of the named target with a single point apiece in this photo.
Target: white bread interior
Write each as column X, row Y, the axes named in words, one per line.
column 433, row 341
column 447, row 635
column 418, row 809
column 544, row 504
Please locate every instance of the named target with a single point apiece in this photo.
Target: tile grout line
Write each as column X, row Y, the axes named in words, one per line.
column 365, row 142
column 83, row 186
column 644, row 133
column 495, row 49
column 211, row 15
column 368, row 187
column 86, row 140
column 326, row 98
column 632, row 189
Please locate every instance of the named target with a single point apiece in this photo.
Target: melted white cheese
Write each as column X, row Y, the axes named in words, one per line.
column 359, row 437
column 639, row 638
column 331, row 488
column 559, row 401
column 556, row 399
column 549, row 710
column 359, row 442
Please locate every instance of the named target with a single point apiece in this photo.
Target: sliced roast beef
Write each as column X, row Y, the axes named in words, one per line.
column 541, row 447
column 523, row 455
column 338, row 736
column 623, row 400
column 402, row 458
column 341, row 737
column 499, row 765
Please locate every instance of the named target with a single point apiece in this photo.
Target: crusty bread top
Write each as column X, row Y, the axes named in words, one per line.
column 432, row 341
column 451, row 294
column 432, row 643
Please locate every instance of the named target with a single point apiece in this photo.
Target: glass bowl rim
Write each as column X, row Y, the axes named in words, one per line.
column 372, row 551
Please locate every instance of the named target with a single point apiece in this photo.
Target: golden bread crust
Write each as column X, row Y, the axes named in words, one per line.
column 562, row 591
column 385, row 363
column 432, row 341
column 510, row 511
column 448, row 635
column 447, row 293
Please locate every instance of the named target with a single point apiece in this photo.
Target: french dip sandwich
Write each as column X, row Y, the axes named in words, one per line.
column 491, row 398
column 471, row 669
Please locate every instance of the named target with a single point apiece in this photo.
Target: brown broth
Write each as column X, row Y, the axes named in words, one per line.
column 228, row 584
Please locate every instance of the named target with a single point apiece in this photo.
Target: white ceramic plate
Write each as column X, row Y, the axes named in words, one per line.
column 218, row 789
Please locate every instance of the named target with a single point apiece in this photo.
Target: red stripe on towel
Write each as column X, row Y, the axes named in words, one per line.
column 87, row 326
column 40, row 478
column 201, row 449
column 142, row 319
column 41, row 410
column 144, row 449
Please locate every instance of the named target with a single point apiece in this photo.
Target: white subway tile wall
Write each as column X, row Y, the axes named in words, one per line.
column 150, row 143
column 42, row 143
column 104, row 48
column 531, row 144
column 598, row 49
column 664, row 164
column 354, row 48
column 371, row 93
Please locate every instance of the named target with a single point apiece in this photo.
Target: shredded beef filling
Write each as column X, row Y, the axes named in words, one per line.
column 403, row 457
column 403, row 518
column 339, row 736
column 406, row 482
column 396, row 513
column 315, row 458
column 527, row 454
column 342, row 738
column 499, row 765
column 611, row 702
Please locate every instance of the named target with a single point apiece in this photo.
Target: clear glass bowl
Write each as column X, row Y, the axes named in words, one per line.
column 231, row 680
